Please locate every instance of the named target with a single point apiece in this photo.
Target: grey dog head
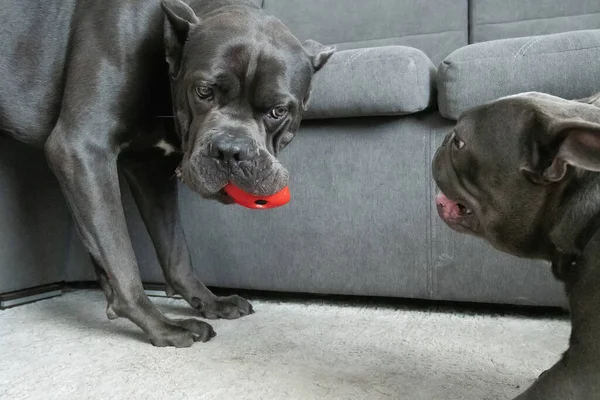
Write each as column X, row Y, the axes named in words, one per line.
column 240, row 83
column 506, row 168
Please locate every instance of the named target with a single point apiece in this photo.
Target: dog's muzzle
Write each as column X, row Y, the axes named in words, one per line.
column 236, row 160
column 458, row 216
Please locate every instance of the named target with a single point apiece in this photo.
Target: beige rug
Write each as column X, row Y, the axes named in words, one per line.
column 65, row 348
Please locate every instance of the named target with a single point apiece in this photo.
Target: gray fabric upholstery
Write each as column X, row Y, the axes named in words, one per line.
column 391, row 80
column 435, row 26
column 565, row 64
column 501, row 19
column 35, row 222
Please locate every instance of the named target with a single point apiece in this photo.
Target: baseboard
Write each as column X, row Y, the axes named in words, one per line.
column 26, row 296
column 158, row 290
column 30, row 295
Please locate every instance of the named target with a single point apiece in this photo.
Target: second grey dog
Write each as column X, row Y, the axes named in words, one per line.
column 522, row 173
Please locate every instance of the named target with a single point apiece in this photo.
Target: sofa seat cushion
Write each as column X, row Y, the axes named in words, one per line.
column 563, row 64
column 390, row 80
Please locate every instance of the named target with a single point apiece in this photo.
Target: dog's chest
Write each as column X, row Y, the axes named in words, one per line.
column 158, row 138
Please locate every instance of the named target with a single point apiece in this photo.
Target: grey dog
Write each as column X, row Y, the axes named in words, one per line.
column 85, row 79
column 522, row 173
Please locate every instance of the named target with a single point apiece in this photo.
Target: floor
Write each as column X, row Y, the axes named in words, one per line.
column 65, row 348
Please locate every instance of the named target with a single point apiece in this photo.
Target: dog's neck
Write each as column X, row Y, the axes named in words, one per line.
column 578, row 221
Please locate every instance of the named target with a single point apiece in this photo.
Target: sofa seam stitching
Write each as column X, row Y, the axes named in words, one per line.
column 538, row 19
column 417, row 73
column 528, row 47
column 399, row 37
column 390, row 57
column 508, row 57
column 525, row 44
column 429, row 234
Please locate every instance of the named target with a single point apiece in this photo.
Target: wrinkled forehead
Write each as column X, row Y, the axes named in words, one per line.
column 249, row 54
column 497, row 132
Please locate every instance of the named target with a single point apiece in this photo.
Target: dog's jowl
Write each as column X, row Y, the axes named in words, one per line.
column 87, row 80
column 522, row 172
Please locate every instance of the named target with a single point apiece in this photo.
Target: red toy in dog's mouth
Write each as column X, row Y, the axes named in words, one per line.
column 248, row 200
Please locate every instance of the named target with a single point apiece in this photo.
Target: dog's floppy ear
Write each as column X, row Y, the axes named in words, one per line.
column 570, row 141
column 180, row 19
column 318, row 54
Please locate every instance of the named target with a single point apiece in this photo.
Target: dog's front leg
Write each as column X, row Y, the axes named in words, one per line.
column 577, row 375
column 86, row 167
column 154, row 188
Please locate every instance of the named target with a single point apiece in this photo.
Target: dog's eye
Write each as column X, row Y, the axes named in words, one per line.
column 204, row 92
column 459, row 144
column 278, row 112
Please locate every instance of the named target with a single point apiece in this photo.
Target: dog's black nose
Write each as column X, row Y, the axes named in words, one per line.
column 230, row 149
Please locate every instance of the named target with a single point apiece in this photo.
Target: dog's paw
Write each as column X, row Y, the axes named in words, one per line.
column 182, row 333
column 229, row 307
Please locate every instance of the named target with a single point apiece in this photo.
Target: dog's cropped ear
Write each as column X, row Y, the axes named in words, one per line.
column 180, row 19
column 306, row 98
column 574, row 142
column 318, row 54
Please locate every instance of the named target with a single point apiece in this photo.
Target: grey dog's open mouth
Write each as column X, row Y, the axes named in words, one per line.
column 456, row 214
column 450, row 209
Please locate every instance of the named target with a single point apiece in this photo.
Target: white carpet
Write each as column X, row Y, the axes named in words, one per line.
column 65, row 348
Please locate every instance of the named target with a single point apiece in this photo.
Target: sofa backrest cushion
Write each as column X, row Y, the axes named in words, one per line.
column 437, row 27
column 389, row 80
column 561, row 64
column 502, row 19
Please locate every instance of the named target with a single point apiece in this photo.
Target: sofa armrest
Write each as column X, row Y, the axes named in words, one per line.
column 564, row 64
column 389, row 80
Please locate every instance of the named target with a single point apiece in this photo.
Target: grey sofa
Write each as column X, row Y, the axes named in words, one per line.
column 362, row 220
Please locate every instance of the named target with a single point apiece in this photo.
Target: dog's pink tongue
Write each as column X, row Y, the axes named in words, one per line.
column 447, row 209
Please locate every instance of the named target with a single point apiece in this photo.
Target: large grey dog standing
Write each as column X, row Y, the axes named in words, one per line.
column 85, row 79
column 522, row 172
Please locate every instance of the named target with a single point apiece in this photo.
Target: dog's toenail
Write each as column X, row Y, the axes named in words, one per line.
column 196, row 303
column 111, row 313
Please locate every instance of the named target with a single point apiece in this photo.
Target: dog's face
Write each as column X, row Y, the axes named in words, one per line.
column 503, row 168
column 240, row 83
